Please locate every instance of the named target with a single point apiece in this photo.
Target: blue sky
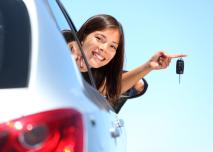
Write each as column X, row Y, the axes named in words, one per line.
column 170, row 116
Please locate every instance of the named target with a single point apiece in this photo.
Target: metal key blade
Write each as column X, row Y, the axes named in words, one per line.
column 179, row 78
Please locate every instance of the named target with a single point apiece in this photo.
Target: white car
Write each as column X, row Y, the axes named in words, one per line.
column 45, row 105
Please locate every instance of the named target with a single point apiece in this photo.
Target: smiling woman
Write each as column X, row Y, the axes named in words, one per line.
column 100, row 46
column 137, row 90
column 102, row 41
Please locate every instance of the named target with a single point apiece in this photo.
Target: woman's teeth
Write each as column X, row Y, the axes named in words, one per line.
column 98, row 56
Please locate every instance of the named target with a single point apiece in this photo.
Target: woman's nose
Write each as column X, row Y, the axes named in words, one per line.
column 103, row 47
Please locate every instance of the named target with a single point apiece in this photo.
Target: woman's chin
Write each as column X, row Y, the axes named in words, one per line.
column 95, row 64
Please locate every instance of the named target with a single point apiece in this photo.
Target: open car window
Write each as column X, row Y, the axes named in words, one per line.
column 68, row 31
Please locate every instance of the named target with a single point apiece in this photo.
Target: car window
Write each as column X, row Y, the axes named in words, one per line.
column 1, row 39
column 14, row 51
column 69, row 33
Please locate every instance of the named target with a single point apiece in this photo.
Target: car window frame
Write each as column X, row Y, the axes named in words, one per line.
column 71, row 25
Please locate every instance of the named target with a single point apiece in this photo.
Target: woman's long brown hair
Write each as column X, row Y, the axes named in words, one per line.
column 109, row 75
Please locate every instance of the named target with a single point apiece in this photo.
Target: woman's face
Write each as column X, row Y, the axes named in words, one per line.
column 100, row 46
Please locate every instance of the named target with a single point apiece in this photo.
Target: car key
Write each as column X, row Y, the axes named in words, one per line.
column 179, row 67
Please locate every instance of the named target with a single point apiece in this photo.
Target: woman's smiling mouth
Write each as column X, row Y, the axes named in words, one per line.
column 98, row 56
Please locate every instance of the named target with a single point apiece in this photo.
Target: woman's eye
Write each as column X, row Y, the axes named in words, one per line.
column 114, row 47
column 98, row 38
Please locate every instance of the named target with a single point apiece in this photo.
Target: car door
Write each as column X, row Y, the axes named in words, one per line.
column 108, row 135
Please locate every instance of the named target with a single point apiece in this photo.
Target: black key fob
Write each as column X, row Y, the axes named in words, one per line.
column 180, row 66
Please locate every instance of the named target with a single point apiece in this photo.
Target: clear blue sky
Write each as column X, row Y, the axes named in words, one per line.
column 169, row 117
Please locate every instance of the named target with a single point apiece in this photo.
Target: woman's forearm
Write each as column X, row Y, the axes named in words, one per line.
column 130, row 78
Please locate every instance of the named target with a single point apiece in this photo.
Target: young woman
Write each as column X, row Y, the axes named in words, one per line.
column 102, row 40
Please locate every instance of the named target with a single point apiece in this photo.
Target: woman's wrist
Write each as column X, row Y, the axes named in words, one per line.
column 148, row 67
column 144, row 69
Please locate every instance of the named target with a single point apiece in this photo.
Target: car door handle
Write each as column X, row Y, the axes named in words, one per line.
column 115, row 132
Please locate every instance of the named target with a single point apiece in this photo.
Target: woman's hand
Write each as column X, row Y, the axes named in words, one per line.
column 161, row 60
column 81, row 63
column 77, row 56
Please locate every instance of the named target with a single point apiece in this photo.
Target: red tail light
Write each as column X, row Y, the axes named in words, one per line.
column 52, row 131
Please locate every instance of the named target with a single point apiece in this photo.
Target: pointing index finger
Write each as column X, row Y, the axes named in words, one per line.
column 177, row 55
